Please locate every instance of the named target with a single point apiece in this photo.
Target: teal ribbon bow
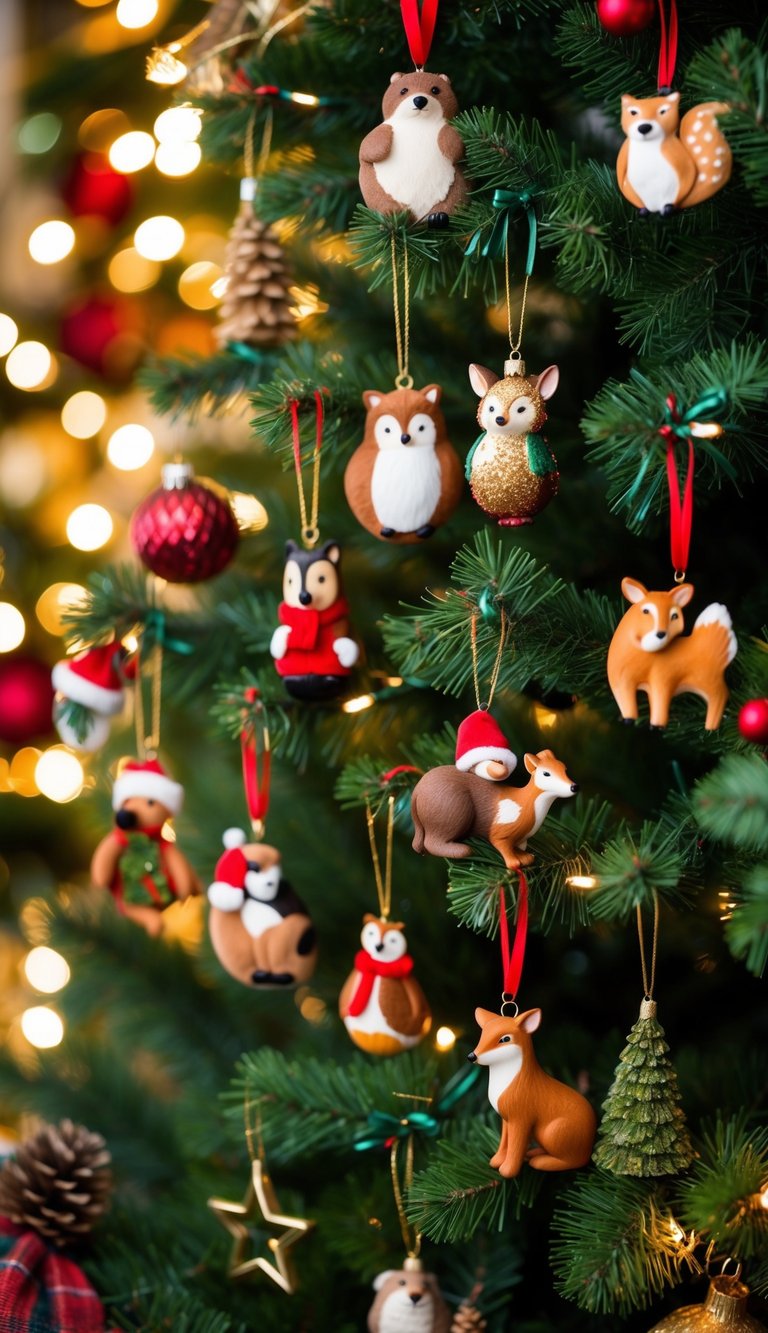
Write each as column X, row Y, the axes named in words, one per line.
column 711, row 404
column 156, row 635
column 382, row 1129
column 509, row 203
column 678, row 424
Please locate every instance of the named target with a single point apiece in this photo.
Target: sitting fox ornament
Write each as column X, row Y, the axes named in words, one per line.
column 511, row 470
column 544, row 1123
column 647, row 653
column 658, row 171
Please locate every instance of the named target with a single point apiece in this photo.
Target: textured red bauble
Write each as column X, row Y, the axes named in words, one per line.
column 623, row 18
column 26, row 699
column 185, row 531
column 94, row 189
column 753, row 721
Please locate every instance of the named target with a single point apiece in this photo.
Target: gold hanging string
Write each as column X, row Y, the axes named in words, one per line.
column 383, row 883
column 253, row 1130
column 411, row 1237
column 648, row 981
column 266, row 144
column 496, row 665
column 310, row 530
column 151, row 669
column 514, row 347
column 402, row 328
column 281, row 23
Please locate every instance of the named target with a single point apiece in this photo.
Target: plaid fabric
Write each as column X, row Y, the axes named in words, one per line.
column 41, row 1291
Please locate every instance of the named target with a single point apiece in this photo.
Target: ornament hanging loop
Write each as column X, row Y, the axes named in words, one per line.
column 403, row 381
column 383, row 881
column 679, row 576
column 310, row 530
column 649, row 978
column 509, row 1005
column 484, row 706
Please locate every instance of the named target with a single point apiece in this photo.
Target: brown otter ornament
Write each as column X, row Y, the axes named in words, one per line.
column 384, row 1009
column 260, row 929
column 404, row 480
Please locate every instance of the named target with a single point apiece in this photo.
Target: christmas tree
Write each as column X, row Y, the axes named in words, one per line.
column 254, row 1099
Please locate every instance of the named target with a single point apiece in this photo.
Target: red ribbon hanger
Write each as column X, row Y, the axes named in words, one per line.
column 680, row 511
column 419, row 28
column 667, row 46
column 257, row 764
column 512, row 959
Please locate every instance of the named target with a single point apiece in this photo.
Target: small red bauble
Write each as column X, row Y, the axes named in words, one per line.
column 94, row 189
column 624, row 18
column 753, row 721
column 184, row 531
column 26, row 699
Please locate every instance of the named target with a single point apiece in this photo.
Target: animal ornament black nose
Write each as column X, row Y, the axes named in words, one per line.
column 378, row 947
column 501, row 421
column 644, row 129
column 420, row 103
column 415, row 1297
column 661, row 634
column 305, row 598
column 472, row 1057
column 405, row 439
column 574, row 787
column 126, row 819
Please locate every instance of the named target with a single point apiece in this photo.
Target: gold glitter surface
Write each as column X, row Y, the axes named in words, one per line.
column 503, row 484
column 724, row 1308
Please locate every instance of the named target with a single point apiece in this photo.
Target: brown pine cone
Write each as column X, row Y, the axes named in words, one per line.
column 257, row 305
column 58, row 1183
column 468, row 1319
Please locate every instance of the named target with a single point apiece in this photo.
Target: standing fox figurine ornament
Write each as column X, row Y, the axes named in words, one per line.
column 666, row 163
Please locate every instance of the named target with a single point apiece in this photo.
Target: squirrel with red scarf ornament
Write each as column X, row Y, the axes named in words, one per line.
column 144, row 870
column 313, row 651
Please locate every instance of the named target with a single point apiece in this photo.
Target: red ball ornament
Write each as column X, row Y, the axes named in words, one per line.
column 624, row 18
column 94, row 189
column 185, row 531
column 103, row 333
column 753, row 721
column 26, row 699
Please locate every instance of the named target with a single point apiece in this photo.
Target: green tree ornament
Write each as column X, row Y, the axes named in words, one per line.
column 643, row 1130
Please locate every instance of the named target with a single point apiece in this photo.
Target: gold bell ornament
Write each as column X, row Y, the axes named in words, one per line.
column 725, row 1307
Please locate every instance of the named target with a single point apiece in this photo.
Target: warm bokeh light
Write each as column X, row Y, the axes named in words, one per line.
column 84, row 414
column 46, row 970
column 132, row 151
column 23, row 468
column 99, row 130
column 30, row 366
column 545, row 717
column 179, row 124
column 136, row 13
column 164, row 67
column 581, row 881
column 55, row 602
column 59, row 774
column 359, row 704
column 89, row 526
column 250, row 514
column 22, row 773
column 42, row 1027
column 196, row 285
column 38, row 133
column 178, row 159
column 129, row 271
column 445, row 1039
column 764, row 1198
column 51, row 242
column 9, row 332
column 12, row 627
column 159, row 237
column 130, row 447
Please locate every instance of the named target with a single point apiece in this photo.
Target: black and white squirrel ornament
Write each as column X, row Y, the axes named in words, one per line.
column 312, row 648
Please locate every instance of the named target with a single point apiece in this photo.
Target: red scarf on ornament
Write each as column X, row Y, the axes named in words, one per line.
column 370, row 968
column 306, row 624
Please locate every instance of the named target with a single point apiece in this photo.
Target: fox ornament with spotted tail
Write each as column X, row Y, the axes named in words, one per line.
column 658, row 171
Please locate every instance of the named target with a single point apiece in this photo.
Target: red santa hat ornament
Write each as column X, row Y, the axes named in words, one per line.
column 149, row 779
column 480, row 738
column 92, row 679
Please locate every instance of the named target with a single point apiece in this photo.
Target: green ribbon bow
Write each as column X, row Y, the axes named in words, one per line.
column 678, row 423
column 155, row 634
column 508, row 202
column 383, row 1128
column 711, row 404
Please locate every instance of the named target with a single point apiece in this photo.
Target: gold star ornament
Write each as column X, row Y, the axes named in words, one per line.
column 261, row 1205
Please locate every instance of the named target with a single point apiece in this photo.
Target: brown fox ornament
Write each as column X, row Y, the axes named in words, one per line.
column 666, row 163
column 404, row 480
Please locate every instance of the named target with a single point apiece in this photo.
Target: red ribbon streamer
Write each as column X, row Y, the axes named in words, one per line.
column 419, row 28
column 394, row 772
column 667, row 46
column 512, row 960
column 256, row 783
column 680, row 511
column 319, row 417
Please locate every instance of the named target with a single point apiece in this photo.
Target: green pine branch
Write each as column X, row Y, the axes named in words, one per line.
column 634, row 867
column 731, row 803
column 746, row 932
column 720, row 1197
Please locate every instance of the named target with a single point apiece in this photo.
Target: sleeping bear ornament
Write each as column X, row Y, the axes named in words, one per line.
column 410, row 161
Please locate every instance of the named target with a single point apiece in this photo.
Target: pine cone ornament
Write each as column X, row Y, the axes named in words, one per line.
column 58, row 1183
column 468, row 1319
column 256, row 307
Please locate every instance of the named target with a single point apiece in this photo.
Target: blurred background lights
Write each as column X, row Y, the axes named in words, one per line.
column 359, row 704
column 99, row 130
column 46, row 970
column 136, row 13
column 159, row 237
column 89, row 526
column 30, row 366
column 42, row 1027
column 54, row 603
column 164, row 66
column 132, row 151
column 38, row 133
column 84, row 414
column 129, row 271
column 130, row 447
column 249, row 512
column 196, row 285
column 8, row 334
column 59, row 774
column 51, row 242
column 22, row 771
column 582, row 881
column 12, row 627
column 179, row 124
column 23, row 468
column 445, row 1039
column 177, row 159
